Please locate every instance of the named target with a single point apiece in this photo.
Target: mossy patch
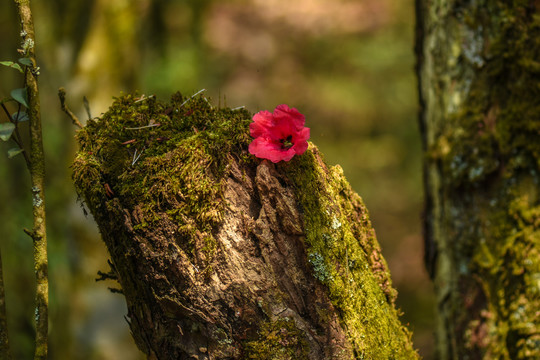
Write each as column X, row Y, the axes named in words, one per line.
column 497, row 125
column 346, row 257
column 128, row 153
column 278, row 340
column 506, row 258
column 488, row 153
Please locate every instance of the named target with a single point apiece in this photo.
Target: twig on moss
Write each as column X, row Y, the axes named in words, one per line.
column 143, row 97
column 192, row 96
column 72, row 116
column 135, row 157
column 208, row 102
column 143, row 127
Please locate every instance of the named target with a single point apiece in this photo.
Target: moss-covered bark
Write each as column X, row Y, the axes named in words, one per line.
column 221, row 255
column 5, row 351
column 36, row 166
column 479, row 70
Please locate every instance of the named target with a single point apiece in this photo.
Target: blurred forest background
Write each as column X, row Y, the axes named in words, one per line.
column 346, row 64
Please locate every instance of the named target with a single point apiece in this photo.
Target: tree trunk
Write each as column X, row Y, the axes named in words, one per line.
column 223, row 256
column 479, row 76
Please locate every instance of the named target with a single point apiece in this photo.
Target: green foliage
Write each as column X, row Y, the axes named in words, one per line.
column 20, row 116
column 26, row 62
column 21, row 96
column 16, row 66
column 14, row 152
column 12, row 65
column 6, row 130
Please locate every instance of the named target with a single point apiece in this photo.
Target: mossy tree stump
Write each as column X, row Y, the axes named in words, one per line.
column 223, row 256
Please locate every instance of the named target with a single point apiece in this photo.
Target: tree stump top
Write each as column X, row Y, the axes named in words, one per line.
column 221, row 255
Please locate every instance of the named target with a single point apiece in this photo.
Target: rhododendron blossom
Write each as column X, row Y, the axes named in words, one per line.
column 278, row 136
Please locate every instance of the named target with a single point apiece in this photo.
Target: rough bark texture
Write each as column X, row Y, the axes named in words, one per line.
column 478, row 81
column 5, row 352
column 223, row 256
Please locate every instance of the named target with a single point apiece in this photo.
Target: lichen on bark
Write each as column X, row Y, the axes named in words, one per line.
column 217, row 252
column 479, row 75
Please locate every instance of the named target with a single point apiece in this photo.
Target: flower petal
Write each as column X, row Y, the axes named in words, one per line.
column 262, row 121
column 300, row 141
column 265, row 148
column 290, row 115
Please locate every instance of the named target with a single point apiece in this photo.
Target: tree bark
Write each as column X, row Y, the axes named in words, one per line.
column 5, row 351
column 223, row 256
column 480, row 119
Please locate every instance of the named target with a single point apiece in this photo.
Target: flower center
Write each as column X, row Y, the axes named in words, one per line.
column 286, row 143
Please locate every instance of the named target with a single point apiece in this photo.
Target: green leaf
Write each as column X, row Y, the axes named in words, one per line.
column 20, row 116
column 26, row 61
column 6, row 129
column 20, row 96
column 14, row 152
column 12, row 65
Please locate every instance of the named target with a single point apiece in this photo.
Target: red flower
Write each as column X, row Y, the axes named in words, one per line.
column 278, row 136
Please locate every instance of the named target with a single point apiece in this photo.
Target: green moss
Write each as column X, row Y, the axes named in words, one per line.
column 278, row 340
column 163, row 159
column 497, row 125
column 507, row 260
column 489, row 153
column 345, row 256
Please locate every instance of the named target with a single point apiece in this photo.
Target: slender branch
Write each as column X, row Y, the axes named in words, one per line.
column 74, row 119
column 17, row 137
column 5, row 352
column 7, row 112
column 37, row 175
column 18, row 141
column 192, row 96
